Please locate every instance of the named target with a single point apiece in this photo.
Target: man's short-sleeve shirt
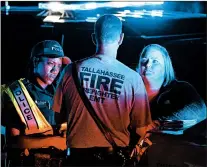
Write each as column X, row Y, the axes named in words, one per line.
column 117, row 94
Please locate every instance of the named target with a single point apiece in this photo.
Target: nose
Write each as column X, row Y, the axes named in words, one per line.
column 148, row 63
column 55, row 69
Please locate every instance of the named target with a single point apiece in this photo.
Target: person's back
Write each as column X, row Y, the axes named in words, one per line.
column 112, row 89
column 116, row 93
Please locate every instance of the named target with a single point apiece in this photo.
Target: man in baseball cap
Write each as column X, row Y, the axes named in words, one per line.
column 51, row 49
column 46, row 63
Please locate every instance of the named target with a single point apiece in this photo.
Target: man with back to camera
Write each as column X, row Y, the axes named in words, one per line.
column 115, row 91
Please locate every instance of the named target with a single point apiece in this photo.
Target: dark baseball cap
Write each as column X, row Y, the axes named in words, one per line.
column 51, row 49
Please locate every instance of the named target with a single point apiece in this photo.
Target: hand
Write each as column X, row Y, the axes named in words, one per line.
column 63, row 126
column 140, row 148
column 60, row 130
column 153, row 127
column 63, row 129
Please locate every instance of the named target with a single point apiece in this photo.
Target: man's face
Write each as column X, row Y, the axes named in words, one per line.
column 152, row 65
column 48, row 69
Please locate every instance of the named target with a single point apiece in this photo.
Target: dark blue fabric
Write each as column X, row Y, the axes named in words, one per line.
column 43, row 99
column 178, row 101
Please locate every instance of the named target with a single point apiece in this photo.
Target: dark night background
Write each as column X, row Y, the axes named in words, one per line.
column 21, row 30
column 183, row 35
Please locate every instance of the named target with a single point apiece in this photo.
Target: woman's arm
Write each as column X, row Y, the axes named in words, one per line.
column 186, row 104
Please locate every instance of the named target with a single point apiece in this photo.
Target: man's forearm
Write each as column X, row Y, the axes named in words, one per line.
column 32, row 142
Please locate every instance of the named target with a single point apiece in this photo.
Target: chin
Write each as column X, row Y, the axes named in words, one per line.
column 148, row 75
column 49, row 82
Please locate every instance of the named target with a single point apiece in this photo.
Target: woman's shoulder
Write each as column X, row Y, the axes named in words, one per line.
column 181, row 88
column 182, row 83
column 178, row 84
column 185, row 90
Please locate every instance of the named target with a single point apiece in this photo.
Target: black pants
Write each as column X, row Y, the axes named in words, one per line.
column 48, row 157
column 94, row 157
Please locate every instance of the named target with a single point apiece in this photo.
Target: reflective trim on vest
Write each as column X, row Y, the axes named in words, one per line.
column 28, row 111
column 24, row 106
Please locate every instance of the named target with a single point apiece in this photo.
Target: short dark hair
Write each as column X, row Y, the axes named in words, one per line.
column 107, row 29
column 169, row 71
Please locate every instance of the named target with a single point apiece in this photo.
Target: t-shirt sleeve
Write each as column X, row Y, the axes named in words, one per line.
column 58, row 96
column 61, row 117
column 57, row 99
column 140, row 113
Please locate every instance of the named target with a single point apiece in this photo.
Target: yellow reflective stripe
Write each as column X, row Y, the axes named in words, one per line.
column 24, row 106
column 42, row 122
column 9, row 92
column 43, row 125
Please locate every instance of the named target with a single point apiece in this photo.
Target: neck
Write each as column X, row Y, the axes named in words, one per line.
column 107, row 50
column 152, row 87
column 41, row 83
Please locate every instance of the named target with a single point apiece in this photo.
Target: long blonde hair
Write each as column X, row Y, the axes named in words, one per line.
column 169, row 75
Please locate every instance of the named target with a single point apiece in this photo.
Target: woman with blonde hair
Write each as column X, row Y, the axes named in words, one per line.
column 169, row 98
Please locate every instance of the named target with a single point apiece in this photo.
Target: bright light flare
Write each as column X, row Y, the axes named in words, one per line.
column 57, row 6
column 158, row 13
column 90, row 6
column 53, row 19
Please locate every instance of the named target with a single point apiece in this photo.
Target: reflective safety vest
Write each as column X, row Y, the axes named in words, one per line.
column 27, row 109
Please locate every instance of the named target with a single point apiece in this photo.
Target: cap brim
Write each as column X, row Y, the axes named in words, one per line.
column 66, row 60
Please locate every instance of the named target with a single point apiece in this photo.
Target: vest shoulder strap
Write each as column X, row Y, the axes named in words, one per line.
column 28, row 111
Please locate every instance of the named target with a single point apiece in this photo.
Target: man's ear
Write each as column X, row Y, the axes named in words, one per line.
column 93, row 38
column 35, row 61
column 121, row 38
